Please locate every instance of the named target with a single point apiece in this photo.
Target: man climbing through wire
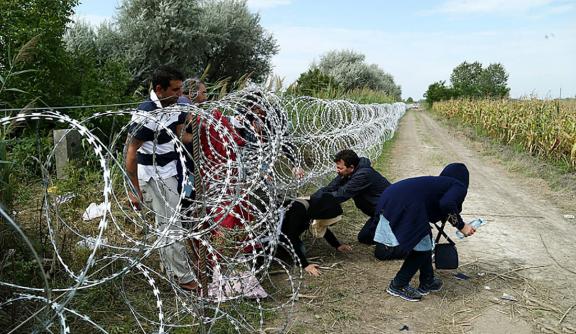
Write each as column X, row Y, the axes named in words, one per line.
column 356, row 179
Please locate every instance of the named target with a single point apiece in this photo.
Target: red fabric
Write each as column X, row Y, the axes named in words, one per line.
column 230, row 220
column 212, row 141
column 213, row 146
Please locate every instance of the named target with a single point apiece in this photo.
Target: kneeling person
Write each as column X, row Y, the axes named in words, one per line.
column 298, row 218
column 356, row 179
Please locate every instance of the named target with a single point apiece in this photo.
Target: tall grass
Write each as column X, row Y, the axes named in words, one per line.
column 545, row 128
column 7, row 73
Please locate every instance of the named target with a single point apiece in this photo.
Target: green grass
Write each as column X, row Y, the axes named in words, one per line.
column 382, row 164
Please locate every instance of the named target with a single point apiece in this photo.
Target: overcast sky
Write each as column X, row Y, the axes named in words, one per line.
column 420, row 42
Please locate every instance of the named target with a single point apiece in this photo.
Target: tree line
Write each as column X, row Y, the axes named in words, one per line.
column 75, row 63
column 471, row 80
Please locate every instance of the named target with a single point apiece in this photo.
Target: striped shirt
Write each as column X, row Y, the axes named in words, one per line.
column 157, row 157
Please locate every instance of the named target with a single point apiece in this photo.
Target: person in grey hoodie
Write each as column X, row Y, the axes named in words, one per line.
column 356, row 179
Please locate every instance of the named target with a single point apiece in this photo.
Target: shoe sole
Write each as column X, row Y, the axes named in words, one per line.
column 428, row 292
column 403, row 297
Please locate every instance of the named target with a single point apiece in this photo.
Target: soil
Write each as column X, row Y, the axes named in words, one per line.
column 521, row 265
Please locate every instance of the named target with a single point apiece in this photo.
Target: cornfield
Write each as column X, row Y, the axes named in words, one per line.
column 545, row 128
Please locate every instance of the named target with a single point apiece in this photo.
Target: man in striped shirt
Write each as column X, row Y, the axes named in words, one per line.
column 151, row 161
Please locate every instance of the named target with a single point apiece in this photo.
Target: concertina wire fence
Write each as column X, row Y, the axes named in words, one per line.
column 230, row 228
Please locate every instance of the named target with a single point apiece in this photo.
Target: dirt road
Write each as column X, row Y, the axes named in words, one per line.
column 521, row 265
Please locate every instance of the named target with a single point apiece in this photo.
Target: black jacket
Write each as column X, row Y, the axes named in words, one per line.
column 364, row 186
column 297, row 221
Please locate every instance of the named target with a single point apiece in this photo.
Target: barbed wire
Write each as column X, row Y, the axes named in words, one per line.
column 256, row 151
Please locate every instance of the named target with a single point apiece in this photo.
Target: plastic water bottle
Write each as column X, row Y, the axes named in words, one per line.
column 475, row 224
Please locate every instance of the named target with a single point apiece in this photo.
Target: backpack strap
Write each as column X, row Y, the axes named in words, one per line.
column 442, row 233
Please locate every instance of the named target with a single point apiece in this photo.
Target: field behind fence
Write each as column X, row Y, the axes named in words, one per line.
column 545, row 128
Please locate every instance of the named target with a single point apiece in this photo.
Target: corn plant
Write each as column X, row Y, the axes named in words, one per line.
column 545, row 128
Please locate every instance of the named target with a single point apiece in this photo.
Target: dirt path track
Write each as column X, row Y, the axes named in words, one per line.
column 526, row 251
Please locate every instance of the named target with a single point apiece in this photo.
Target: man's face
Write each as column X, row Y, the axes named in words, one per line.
column 170, row 94
column 342, row 170
column 201, row 94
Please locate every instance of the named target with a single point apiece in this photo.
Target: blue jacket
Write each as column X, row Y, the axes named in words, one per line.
column 412, row 204
column 364, row 185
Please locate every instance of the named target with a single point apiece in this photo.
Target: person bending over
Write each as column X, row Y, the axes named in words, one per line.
column 405, row 211
column 356, row 179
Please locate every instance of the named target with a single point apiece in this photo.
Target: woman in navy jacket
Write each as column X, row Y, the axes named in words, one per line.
column 406, row 209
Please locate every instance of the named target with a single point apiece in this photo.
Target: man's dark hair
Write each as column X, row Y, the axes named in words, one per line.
column 164, row 74
column 349, row 157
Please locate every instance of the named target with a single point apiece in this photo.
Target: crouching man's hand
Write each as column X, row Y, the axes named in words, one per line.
column 313, row 269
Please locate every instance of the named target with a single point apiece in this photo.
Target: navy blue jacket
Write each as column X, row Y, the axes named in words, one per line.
column 411, row 204
column 364, row 185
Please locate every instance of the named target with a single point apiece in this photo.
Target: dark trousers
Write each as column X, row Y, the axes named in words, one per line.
column 366, row 234
column 383, row 252
column 415, row 261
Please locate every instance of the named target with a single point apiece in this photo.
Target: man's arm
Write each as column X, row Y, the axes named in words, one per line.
column 357, row 183
column 310, row 268
column 332, row 186
column 289, row 150
column 184, row 122
column 331, row 239
column 185, row 137
column 132, row 171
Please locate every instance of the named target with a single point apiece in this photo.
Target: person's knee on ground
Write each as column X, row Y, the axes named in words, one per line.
column 366, row 234
column 365, row 238
column 384, row 253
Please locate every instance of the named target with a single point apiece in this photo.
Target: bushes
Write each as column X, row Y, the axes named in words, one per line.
column 345, row 75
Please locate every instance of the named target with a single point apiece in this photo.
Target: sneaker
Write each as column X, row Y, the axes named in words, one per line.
column 407, row 293
column 435, row 286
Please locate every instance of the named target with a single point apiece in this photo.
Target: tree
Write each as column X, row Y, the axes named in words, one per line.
column 314, row 81
column 158, row 32
column 350, row 71
column 438, row 91
column 471, row 80
column 466, row 80
column 222, row 35
column 94, row 78
column 45, row 22
column 494, row 81
column 236, row 42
